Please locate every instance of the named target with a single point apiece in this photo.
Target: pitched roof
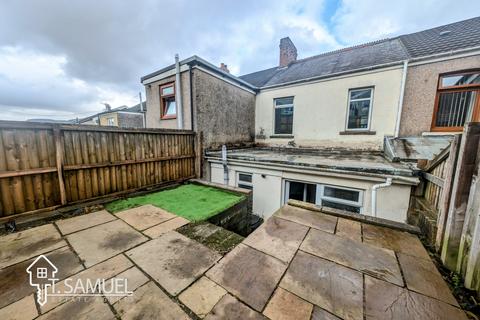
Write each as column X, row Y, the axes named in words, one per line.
column 348, row 59
column 453, row 36
column 461, row 35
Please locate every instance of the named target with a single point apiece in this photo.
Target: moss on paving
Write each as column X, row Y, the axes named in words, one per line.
column 214, row 237
column 191, row 201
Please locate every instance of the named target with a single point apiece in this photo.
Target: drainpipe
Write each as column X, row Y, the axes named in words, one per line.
column 387, row 183
column 178, row 93
column 225, row 167
column 400, row 100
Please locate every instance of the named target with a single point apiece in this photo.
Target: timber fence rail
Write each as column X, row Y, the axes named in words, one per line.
column 43, row 166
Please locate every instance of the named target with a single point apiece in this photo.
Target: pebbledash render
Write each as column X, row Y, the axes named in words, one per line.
column 341, row 129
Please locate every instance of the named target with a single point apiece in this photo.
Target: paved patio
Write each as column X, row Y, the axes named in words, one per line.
column 299, row 264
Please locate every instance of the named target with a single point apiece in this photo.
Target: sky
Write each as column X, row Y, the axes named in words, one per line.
column 63, row 59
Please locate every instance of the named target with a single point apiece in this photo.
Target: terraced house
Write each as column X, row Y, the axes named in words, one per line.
column 339, row 129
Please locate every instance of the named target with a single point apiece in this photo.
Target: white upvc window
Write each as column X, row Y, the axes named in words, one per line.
column 359, row 110
column 110, row 121
column 245, row 180
column 283, row 116
column 342, row 198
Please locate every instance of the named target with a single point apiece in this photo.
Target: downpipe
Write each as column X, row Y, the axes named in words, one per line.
column 178, row 93
column 387, row 183
column 225, row 166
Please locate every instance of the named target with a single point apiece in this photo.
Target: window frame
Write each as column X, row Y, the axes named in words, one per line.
column 112, row 124
column 292, row 105
column 163, row 98
column 370, row 109
column 245, row 183
column 320, row 191
column 453, row 89
column 321, row 196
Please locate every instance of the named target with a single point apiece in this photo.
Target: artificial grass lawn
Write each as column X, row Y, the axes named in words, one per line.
column 191, row 201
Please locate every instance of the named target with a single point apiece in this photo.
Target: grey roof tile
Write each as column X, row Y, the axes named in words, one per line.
column 463, row 34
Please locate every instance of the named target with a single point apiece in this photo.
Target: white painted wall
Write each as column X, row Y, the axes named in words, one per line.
column 320, row 110
column 268, row 191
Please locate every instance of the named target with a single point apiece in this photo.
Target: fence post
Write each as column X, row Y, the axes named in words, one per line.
column 59, row 162
column 446, row 190
column 467, row 158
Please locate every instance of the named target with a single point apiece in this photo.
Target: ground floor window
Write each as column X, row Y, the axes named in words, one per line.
column 325, row 195
column 244, row 180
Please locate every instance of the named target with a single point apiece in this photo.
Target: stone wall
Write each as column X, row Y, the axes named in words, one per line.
column 130, row 120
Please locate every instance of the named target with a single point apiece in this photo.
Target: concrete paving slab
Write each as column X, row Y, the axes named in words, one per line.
column 333, row 287
column 14, row 280
column 84, row 221
column 149, row 302
column 378, row 262
column 423, row 277
column 135, row 279
column 92, row 308
column 173, row 260
column 248, row 274
column 202, row 296
column 103, row 270
column 287, row 306
column 164, row 227
column 23, row 245
column 23, row 309
column 104, row 241
column 229, row 308
column 349, row 229
column 278, row 237
column 308, row 218
column 387, row 301
column 320, row 314
column 395, row 240
column 144, row 217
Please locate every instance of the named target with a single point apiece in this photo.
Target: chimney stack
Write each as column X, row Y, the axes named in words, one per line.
column 224, row 67
column 288, row 52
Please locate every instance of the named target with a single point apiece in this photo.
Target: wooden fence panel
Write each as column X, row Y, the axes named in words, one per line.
column 45, row 165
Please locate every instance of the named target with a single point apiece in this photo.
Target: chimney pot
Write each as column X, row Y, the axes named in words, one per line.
column 288, row 52
column 224, row 67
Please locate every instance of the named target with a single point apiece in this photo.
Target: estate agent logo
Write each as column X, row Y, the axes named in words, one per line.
column 42, row 275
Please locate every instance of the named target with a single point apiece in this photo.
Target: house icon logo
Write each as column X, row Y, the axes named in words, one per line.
column 42, row 275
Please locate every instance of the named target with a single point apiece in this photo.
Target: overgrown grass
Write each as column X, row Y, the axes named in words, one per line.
column 191, row 201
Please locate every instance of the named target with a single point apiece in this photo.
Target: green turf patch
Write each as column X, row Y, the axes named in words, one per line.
column 191, row 201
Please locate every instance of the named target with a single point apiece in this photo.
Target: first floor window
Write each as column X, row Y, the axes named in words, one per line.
column 168, row 105
column 110, row 121
column 283, row 115
column 325, row 195
column 359, row 109
column 457, row 102
column 244, row 180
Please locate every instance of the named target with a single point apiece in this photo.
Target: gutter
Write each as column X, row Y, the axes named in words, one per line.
column 400, row 100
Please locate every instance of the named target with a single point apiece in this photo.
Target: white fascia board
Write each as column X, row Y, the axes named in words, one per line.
column 165, row 74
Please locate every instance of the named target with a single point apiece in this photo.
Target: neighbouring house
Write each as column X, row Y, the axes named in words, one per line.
column 442, row 89
column 122, row 117
column 204, row 98
column 322, row 124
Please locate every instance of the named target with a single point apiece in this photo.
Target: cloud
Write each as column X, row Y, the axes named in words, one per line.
column 66, row 57
column 360, row 21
